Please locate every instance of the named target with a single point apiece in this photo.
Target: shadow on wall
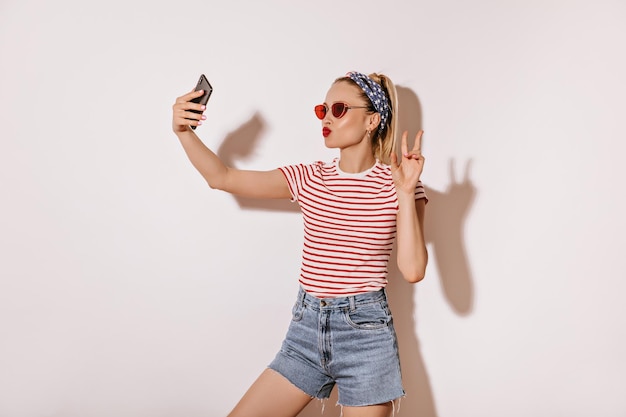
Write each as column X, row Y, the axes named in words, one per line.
column 239, row 145
column 445, row 216
column 444, row 230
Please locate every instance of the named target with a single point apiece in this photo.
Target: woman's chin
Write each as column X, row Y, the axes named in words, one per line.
column 329, row 143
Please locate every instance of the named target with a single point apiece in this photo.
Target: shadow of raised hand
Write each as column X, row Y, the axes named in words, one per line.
column 445, row 231
column 241, row 142
column 239, row 145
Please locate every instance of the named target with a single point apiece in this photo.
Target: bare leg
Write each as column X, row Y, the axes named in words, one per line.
column 379, row 410
column 271, row 395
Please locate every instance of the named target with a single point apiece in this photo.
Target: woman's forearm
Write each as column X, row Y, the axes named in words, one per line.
column 208, row 164
column 412, row 256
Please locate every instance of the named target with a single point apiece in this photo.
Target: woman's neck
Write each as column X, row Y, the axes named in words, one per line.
column 354, row 161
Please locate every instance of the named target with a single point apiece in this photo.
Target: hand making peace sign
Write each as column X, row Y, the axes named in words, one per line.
column 406, row 174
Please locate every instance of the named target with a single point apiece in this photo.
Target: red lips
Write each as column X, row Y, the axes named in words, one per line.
column 325, row 132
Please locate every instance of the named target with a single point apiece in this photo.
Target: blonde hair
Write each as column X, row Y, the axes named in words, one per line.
column 382, row 140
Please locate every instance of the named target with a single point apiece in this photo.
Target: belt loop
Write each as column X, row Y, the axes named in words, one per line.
column 301, row 296
column 352, row 303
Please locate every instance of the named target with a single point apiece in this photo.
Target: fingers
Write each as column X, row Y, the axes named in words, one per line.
column 191, row 95
column 184, row 102
column 416, row 152
column 186, row 112
column 404, row 148
column 190, row 115
column 418, row 141
column 189, row 111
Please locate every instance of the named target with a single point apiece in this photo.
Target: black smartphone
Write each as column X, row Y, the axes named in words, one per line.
column 203, row 84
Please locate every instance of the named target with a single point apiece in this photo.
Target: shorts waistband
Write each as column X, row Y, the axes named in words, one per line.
column 349, row 302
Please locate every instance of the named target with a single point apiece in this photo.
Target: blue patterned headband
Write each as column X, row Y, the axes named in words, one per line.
column 375, row 93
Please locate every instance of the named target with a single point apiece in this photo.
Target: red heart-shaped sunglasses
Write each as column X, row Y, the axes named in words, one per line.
column 338, row 110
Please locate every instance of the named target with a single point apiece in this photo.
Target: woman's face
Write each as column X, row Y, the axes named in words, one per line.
column 350, row 129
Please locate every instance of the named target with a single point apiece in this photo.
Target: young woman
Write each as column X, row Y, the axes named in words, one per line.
column 353, row 207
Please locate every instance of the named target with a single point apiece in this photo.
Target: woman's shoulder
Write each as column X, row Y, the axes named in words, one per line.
column 321, row 166
column 381, row 169
column 307, row 165
column 315, row 168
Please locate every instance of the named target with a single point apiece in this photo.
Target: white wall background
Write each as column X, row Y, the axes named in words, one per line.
column 129, row 288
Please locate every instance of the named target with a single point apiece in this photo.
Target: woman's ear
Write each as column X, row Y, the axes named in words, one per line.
column 374, row 120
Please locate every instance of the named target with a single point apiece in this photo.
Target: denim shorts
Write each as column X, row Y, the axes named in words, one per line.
column 348, row 341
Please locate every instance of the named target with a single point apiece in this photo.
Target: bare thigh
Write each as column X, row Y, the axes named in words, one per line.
column 271, row 395
column 379, row 410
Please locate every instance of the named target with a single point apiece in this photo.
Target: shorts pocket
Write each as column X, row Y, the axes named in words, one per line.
column 297, row 311
column 369, row 317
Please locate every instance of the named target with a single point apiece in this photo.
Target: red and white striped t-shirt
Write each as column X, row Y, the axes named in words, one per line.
column 349, row 226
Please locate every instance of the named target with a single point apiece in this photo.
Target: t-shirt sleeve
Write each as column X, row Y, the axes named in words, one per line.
column 294, row 175
column 420, row 192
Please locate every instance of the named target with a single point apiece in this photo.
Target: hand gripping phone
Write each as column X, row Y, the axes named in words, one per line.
column 203, row 84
